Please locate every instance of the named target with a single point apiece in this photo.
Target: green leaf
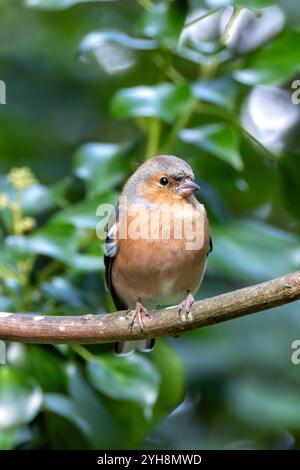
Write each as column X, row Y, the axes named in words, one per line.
column 290, row 182
column 85, row 410
column 37, row 199
column 92, row 259
column 8, row 438
column 83, row 215
column 56, row 4
column 253, row 3
column 232, row 191
column 62, row 433
column 6, row 304
column 201, row 31
column 172, row 378
column 63, row 406
column 95, row 39
column 245, row 250
column 132, row 378
column 248, row 30
column 102, row 166
column 262, row 66
column 62, row 290
column 164, row 21
column 217, row 139
column 112, row 50
column 166, row 101
column 265, row 404
column 88, row 263
column 103, row 431
column 220, row 91
column 40, row 363
column 54, row 240
column 20, row 398
column 7, row 270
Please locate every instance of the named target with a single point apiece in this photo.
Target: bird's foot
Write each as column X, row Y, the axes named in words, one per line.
column 138, row 313
column 185, row 306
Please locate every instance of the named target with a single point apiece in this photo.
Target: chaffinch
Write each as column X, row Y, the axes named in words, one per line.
column 157, row 243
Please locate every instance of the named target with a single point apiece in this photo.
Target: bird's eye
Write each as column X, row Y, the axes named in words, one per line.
column 177, row 177
column 164, row 181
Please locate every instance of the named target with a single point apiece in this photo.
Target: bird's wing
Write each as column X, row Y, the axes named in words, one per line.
column 111, row 251
column 211, row 246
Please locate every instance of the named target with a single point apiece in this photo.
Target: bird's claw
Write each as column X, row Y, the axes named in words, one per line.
column 185, row 306
column 138, row 314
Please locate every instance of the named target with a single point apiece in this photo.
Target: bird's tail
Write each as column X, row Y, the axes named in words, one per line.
column 124, row 348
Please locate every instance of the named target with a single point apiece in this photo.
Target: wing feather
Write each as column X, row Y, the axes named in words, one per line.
column 111, row 251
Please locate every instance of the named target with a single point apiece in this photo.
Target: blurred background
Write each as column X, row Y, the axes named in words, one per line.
column 92, row 90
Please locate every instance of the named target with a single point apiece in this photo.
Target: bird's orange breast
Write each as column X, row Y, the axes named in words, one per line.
column 159, row 258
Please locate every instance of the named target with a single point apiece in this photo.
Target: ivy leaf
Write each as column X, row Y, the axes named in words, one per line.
column 63, row 406
column 62, row 290
column 245, row 249
column 8, row 438
column 133, row 379
column 102, row 166
column 253, row 3
column 221, row 91
column 172, row 378
column 7, row 270
column 268, row 405
column 103, row 431
column 40, row 362
column 6, row 303
column 56, row 4
column 20, row 398
column 164, row 21
column 166, row 101
column 262, row 66
column 217, row 139
column 88, row 263
column 84, row 214
column 290, row 178
column 244, row 30
column 95, row 39
column 39, row 198
column 57, row 241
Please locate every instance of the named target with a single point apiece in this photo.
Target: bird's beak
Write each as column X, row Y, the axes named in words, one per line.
column 187, row 188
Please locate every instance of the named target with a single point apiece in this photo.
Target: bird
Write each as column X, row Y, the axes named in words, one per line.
column 145, row 269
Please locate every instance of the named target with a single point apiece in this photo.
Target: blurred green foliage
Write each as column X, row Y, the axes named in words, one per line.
column 94, row 88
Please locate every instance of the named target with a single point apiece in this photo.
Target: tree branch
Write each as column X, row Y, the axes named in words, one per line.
column 36, row 328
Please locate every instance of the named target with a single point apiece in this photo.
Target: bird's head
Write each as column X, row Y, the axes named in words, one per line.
column 165, row 178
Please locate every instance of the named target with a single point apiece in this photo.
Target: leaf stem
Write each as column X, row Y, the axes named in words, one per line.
column 146, row 4
column 152, row 145
column 231, row 119
column 202, row 17
column 181, row 122
column 16, row 214
column 82, row 352
column 49, row 270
